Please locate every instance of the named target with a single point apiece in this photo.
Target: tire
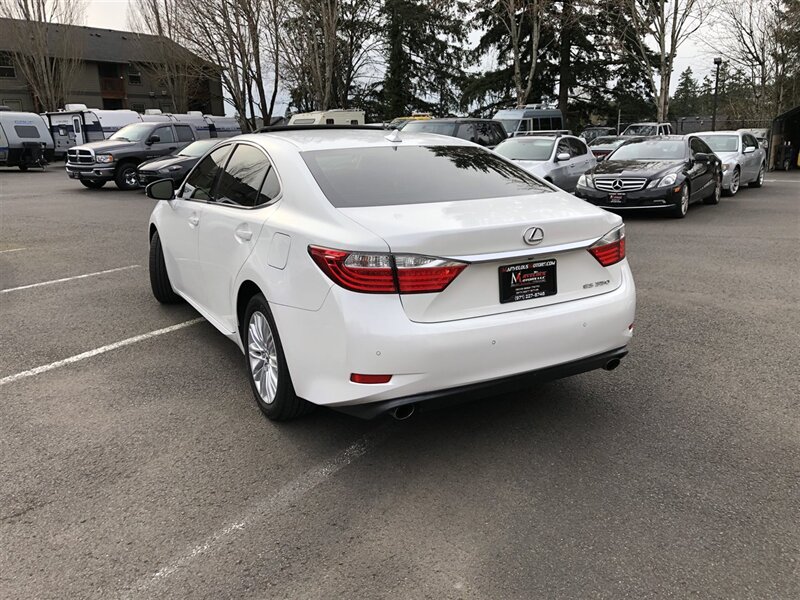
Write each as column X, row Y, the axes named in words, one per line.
column 159, row 278
column 736, row 182
column 266, row 364
column 713, row 198
column 125, row 176
column 92, row 184
column 682, row 207
column 759, row 181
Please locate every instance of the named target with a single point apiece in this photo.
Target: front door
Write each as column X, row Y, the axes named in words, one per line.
column 166, row 143
column 700, row 173
column 242, row 202
column 180, row 225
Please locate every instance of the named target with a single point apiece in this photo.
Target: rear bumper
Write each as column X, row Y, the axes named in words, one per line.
column 655, row 198
column 477, row 391
column 371, row 334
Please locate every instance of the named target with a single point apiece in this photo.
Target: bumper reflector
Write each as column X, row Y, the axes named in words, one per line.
column 361, row 378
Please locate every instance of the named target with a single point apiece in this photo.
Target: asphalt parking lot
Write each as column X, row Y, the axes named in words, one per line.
column 136, row 464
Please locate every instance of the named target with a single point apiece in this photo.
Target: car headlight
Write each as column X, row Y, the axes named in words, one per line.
column 726, row 167
column 665, row 181
column 585, row 181
column 172, row 169
column 104, row 158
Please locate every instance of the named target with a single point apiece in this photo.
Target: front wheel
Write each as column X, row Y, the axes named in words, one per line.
column 266, row 364
column 92, row 184
column 159, row 279
column 715, row 195
column 125, row 177
column 736, row 180
column 759, row 181
column 682, row 207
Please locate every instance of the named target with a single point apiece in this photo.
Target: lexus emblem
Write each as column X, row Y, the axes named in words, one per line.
column 617, row 185
column 533, row 236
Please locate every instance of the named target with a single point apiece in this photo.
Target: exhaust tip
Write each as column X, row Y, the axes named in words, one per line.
column 612, row 364
column 401, row 413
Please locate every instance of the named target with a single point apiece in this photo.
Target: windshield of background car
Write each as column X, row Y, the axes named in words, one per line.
column 198, row 148
column 526, row 149
column 428, row 127
column 650, row 150
column 605, row 143
column 387, row 176
column 640, row 130
column 722, row 143
column 510, row 125
column 135, row 132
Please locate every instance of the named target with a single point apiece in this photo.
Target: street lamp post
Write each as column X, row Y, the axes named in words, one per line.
column 718, row 62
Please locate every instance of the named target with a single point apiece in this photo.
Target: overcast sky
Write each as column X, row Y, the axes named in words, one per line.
column 113, row 14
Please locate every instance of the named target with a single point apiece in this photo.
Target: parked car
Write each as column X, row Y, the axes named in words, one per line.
column 603, row 146
column 648, row 129
column 591, row 133
column 25, row 140
column 485, row 132
column 664, row 173
column 559, row 159
column 743, row 158
column 115, row 159
column 531, row 117
column 173, row 166
column 335, row 116
column 348, row 283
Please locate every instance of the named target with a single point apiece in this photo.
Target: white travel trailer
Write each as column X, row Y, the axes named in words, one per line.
column 338, row 116
column 77, row 125
column 24, row 140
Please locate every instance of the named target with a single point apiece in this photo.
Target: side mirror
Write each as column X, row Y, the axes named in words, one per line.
column 153, row 139
column 163, row 189
column 749, row 149
column 563, row 156
column 702, row 157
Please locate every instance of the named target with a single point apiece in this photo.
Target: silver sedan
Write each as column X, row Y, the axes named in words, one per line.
column 744, row 161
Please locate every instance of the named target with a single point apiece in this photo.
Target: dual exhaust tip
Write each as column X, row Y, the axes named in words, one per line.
column 406, row 411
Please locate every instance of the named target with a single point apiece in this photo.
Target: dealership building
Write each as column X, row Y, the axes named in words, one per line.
column 118, row 69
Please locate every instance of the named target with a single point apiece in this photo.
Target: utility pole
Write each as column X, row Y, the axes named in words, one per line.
column 718, row 62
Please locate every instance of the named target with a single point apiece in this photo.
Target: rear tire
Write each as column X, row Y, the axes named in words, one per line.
column 682, row 207
column 159, row 278
column 266, row 364
column 92, row 184
column 125, row 176
column 715, row 194
column 759, row 181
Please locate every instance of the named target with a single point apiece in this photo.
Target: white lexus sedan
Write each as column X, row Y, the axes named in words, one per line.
column 377, row 273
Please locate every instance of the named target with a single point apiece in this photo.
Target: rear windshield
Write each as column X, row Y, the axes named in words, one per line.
column 651, row 150
column 640, row 130
column 387, row 176
column 722, row 143
column 526, row 149
column 428, row 127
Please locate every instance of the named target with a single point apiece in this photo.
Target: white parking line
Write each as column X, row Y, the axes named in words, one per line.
column 96, row 351
column 33, row 285
column 285, row 497
column 12, row 250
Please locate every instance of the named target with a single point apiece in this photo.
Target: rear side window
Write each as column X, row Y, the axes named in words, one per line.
column 200, row 182
column 28, row 132
column 185, row 133
column 240, row 183
column 466, row 131
column 400, row 175
column 485, row 134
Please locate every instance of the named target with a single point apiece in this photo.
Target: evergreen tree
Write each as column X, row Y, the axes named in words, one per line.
column 685, row 101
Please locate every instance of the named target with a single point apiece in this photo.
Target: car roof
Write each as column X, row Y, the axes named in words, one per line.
column 457, row 120
column 728, row 132
column 328, row 138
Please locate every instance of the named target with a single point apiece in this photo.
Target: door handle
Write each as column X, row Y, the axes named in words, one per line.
column 194, row 221
column 243, row 233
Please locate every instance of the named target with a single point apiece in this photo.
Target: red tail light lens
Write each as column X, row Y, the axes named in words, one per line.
column 610, row 249
column 383, row 273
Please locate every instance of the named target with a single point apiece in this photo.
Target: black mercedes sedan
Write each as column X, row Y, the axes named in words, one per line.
column 174, row 166
column 667, row 172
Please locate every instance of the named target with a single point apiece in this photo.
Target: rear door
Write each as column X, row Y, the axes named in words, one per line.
column 244, row 198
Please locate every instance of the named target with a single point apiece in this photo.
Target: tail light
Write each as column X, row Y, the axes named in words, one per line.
column 610, row 249
column 386, row 273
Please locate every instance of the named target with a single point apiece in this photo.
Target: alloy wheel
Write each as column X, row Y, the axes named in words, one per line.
column 735, row 180
column 130, row 178
column 761, row 175
column 685, row 200
column 263, row 357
